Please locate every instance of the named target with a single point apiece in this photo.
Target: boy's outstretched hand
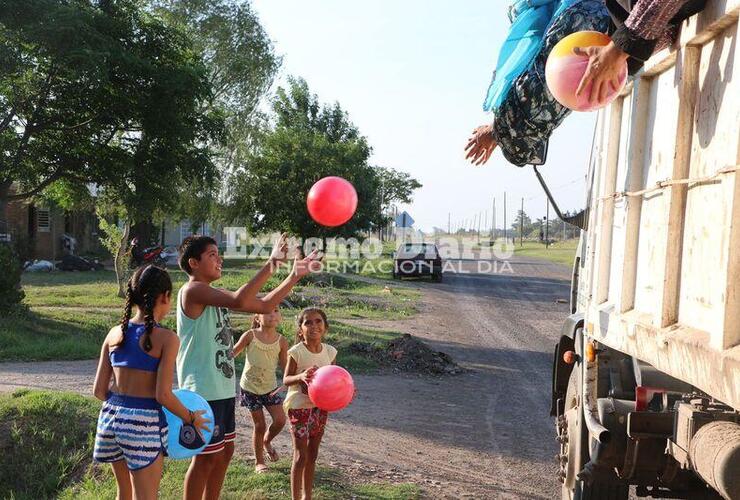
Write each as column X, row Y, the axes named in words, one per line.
column 310, row 264
column 280, row 249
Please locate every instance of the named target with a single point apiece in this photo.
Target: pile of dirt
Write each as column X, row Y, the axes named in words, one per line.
column 409, row 354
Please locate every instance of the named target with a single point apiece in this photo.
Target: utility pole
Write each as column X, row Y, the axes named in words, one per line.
column 493, row 221
column 485, row 222
column 506, row 234
column 479, row 227
column 547, row 225
column 521, row 225
column 449, row 229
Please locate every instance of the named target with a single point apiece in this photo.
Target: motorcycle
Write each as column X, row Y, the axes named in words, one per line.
column 144, row 256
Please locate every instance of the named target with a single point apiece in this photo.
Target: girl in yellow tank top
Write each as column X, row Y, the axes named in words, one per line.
column 266, row 350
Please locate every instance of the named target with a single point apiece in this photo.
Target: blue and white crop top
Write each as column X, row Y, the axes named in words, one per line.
column 130, row 354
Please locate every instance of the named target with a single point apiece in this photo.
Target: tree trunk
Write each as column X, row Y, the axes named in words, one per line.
column 4, row 192
column 120, row 261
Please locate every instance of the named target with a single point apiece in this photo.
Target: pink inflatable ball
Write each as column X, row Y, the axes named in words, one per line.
column 332, row 201
column 331, row 388
column 564, row 71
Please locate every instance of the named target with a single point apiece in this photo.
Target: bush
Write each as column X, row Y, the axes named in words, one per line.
column 11, row 293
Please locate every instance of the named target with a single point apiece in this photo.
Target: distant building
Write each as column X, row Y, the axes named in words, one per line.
column 37, row 229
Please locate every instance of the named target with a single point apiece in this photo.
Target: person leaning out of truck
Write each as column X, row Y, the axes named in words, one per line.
column 643, row 28
column 529, row 114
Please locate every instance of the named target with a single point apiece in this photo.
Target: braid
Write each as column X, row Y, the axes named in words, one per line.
column 126, row 313
column 148, row 321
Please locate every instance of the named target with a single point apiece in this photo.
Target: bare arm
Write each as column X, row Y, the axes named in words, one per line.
column 245, row 299
column 291, row 378
column 243, row 342
column 283, row 356
column 104, row 373
column 164, row 385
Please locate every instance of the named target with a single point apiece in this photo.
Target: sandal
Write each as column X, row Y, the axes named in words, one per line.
column 261, row 469
column 271, row 452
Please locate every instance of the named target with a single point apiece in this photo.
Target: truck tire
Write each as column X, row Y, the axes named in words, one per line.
column 574, row 450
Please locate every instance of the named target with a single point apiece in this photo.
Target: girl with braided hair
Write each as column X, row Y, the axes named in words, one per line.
column 134, row 379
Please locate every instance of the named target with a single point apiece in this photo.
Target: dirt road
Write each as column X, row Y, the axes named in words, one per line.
column 482, row 434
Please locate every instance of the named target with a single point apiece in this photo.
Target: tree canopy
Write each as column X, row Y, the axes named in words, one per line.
column 240, row 67
column 308, row 141
column 103, row 93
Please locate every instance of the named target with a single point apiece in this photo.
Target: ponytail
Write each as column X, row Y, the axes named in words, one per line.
column 148, row 321
column 255, row 322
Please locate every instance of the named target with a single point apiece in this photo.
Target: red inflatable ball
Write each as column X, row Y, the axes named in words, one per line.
column 332, row 201
column 331, row 388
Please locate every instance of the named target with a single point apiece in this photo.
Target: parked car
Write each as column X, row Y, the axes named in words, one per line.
column 417, row 259
column 170, row 256
column 77, row 263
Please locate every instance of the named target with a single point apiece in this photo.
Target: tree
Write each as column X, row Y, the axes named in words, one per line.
column 241, row 65
column 309, row 141
column 102, row 93
column 522, row 221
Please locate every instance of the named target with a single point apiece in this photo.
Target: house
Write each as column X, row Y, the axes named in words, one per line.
column 37, row 229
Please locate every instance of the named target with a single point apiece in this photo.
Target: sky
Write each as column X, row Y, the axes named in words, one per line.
column 412, row 75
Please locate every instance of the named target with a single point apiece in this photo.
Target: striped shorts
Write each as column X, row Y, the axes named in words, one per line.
column 130, row 428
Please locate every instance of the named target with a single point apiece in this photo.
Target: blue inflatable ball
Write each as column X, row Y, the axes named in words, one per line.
column 193, row 402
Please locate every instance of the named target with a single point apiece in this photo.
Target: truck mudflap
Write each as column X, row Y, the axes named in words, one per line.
column 560, row 369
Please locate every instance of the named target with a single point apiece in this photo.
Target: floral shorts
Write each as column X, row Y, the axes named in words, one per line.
column 307, row 422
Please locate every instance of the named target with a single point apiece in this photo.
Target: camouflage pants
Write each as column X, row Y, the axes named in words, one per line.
column 529, row 113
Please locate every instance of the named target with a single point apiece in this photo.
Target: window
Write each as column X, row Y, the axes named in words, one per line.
column 43, row 220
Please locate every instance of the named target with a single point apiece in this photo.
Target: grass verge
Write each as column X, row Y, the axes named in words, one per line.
column 46, row 441
column 561, row 252
column 344, row 297
column 242, row 483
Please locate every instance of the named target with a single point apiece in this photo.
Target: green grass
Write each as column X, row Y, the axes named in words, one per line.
column 44, row 334
column 561, row 252
column 46, row 441
column 342, row 297
column 242, row 483
column 70, row 313
column 54, row 334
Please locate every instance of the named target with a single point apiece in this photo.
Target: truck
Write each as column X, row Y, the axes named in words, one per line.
column 646, row 372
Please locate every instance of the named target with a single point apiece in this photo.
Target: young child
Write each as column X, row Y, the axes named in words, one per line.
column 139, row 355
column 306, row 421
column 266, row 349
column 205, row 361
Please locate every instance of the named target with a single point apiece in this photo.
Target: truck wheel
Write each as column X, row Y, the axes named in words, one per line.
column 603, row 491
column 573, row 438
